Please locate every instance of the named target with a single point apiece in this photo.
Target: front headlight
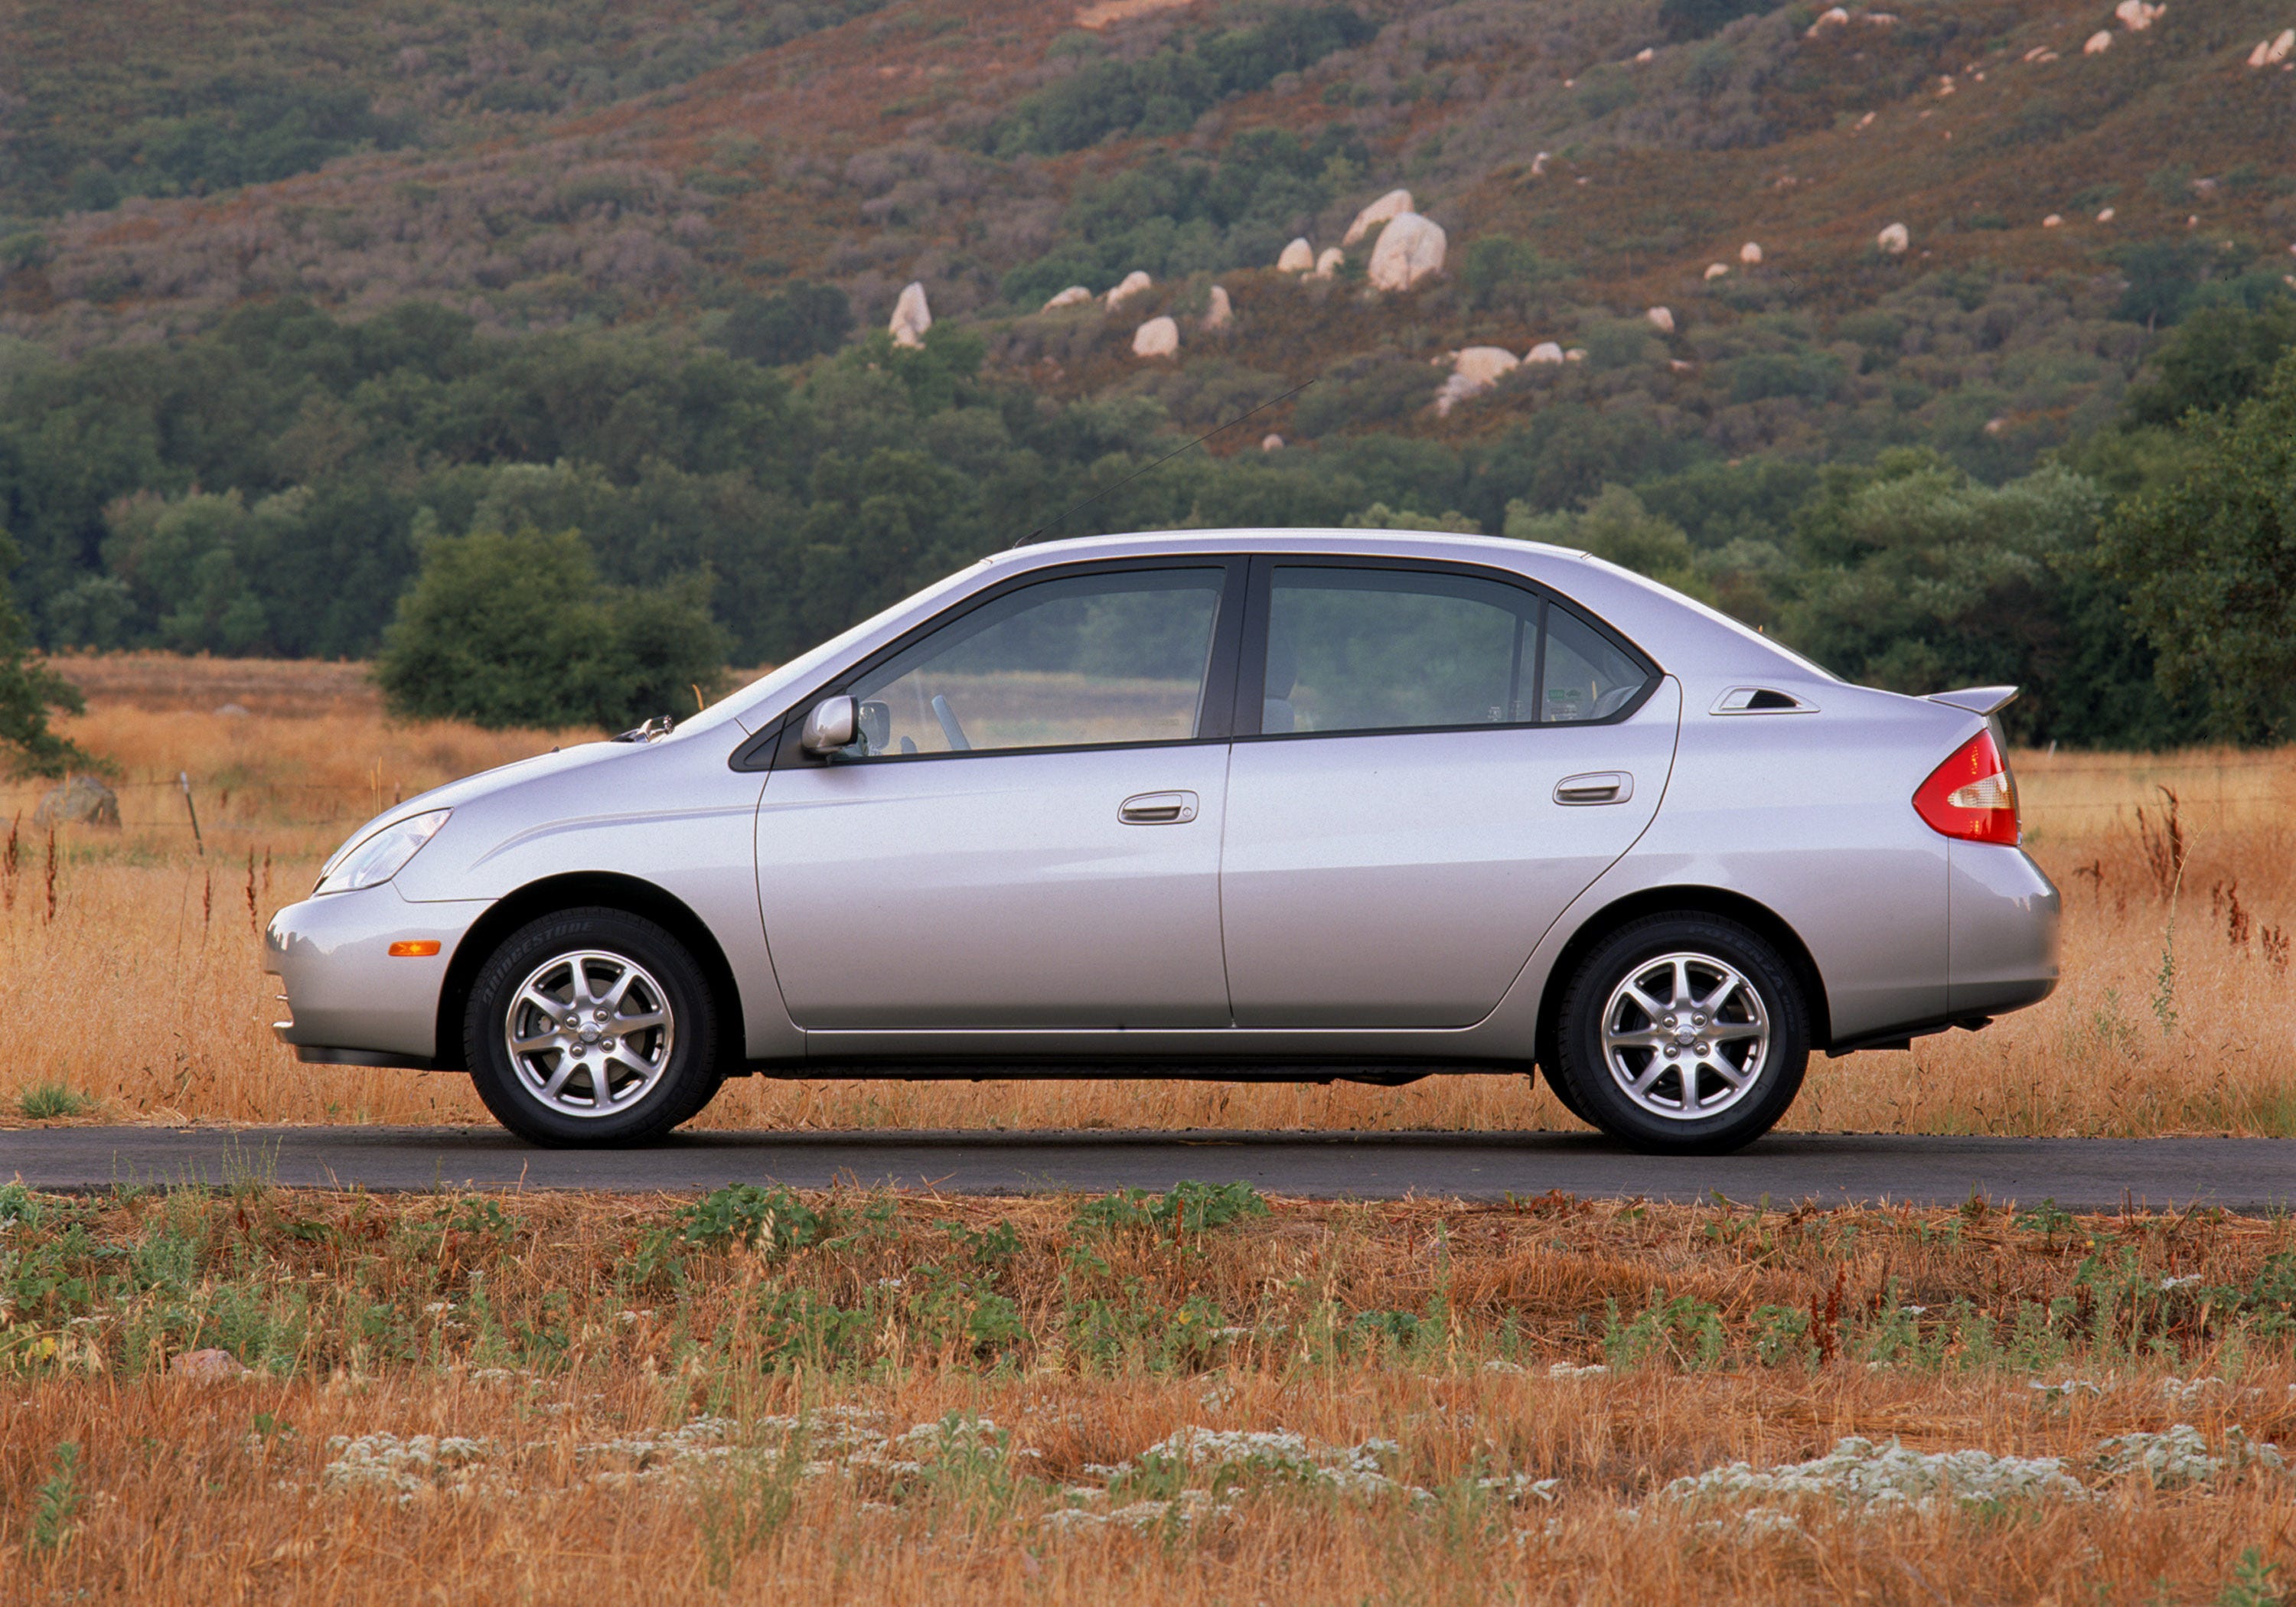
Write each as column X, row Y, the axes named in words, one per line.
column 374, row 859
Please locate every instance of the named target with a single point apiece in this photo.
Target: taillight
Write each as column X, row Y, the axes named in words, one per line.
column 1971, row 796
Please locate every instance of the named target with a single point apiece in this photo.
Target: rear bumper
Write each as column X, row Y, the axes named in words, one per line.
column 350, row 1001
column 2002, row 918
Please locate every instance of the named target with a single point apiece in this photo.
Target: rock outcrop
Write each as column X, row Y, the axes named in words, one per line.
column 1127, row 287
column 1076, row 295
column 1297, row 258
column 1749, row 253
column 1894, row 239
column 1718, row 270
column 1221, row 312
column 1474, row 370
column 2098, row 43
column 2137, row 15
column 81, row 800
column 1410, row 249
column 1328, row 263
column 1271, row 443
column 911, row 317
column 1394, row 204
column 1157, row 338
column 1661, row 319
column 1546, row 352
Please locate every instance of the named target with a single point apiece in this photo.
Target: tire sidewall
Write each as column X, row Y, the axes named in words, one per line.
column 687, row 1084
column 1635, row 945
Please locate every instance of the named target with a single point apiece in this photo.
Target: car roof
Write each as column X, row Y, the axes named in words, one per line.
column 1497, row 550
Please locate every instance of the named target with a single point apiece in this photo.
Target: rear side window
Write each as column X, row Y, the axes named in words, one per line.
column 1586, row 676
column 1364, row 650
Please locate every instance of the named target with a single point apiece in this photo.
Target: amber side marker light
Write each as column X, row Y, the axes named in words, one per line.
column 414, row 948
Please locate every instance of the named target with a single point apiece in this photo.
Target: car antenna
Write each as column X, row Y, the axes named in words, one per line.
column 1160, row 463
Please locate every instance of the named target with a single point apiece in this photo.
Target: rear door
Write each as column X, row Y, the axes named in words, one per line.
column 1431, row 762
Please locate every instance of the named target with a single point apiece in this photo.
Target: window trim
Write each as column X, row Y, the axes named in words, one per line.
column 767, row 751
column 1252, row 665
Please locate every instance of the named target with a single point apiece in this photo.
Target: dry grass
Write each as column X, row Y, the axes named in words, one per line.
column 864, row 1397
column 167, row 939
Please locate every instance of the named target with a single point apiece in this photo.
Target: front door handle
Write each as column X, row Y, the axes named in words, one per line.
column 1603, row 787
column 1158, row 809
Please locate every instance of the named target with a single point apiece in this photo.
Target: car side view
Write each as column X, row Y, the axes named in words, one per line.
column 1241, row 805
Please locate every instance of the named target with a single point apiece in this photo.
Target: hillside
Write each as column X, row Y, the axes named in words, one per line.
column 751, row 186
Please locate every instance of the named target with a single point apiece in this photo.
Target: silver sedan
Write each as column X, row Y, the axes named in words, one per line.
column 1254, row 805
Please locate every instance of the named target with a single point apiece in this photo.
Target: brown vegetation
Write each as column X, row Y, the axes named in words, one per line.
column 259, row 1395
column 2165, row 1021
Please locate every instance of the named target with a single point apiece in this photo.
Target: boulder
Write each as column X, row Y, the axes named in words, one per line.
column 1576, row 354
column 1271, row 443
column 1646, row 54
column 2283, row 48
column 1075, row 295
column 2137, row 15
column 1749, row 253
column 2052, row 221
column 911, row 317
column 1157, row 338
column 1394, row 204
column 2263, row 48
column 2105, row 215
column 1329, row 262
column 1894, row 239
column 1410, row 249
column 1661, row 319
column 81, row 800
column 1221, row 313
column 2098, row 43
column 1127, row 287
column 1297, row 258
column 1833, row 17
column 1538, row 164
column 1546, row 352
column 1718, row 270
column 1473, row 371
column 232, row 711
column 1482, row 365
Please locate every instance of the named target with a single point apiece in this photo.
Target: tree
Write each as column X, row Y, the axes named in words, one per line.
column 28, row 689
column 2210, row 563
column 517, row 629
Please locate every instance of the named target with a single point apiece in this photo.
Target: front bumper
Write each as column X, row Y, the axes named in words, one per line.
column 349, row 1000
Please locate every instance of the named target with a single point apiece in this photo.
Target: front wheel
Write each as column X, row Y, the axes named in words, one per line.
column 1683, row 1034
column 591, row 1027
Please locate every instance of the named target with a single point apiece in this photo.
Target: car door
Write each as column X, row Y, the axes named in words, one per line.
column 1027, row 834
column 1430, row 763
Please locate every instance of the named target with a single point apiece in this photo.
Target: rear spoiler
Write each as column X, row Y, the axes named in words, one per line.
column 1987, row 700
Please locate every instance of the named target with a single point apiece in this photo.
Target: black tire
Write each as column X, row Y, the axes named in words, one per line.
column 1765, row 1021
column 1560, row 1089
column 680, row 1056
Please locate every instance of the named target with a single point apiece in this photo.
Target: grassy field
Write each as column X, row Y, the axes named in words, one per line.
column 2170, row 1020
column 255, row 1395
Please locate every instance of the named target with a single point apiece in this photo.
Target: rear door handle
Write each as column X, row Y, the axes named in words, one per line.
column 1157, row 809
column 1603, row 787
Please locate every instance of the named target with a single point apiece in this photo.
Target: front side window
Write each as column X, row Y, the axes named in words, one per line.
column 1081, row 661
column 1361, row 650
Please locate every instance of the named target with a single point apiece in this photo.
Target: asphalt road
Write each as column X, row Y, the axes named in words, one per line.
column 2251, row 1175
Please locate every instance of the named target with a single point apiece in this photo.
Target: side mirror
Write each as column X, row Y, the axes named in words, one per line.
column 832, row 725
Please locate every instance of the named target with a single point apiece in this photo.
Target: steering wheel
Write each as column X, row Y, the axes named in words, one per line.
column 949, row 728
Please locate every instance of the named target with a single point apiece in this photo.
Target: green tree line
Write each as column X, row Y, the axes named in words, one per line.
column 277, row 485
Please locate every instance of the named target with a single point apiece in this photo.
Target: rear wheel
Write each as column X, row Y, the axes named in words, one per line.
column 1684, row 1034
column 591, row 1027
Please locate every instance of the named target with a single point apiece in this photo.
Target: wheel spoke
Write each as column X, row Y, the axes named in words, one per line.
column 1729, row 984
column 1682, row 990
column 531, row 995
column 1725, row 1032
column 581, row 984
column 565, row 1064
column 1643, row 1002
column 626, row 1024
column 536, row 1045
column 612, row 997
